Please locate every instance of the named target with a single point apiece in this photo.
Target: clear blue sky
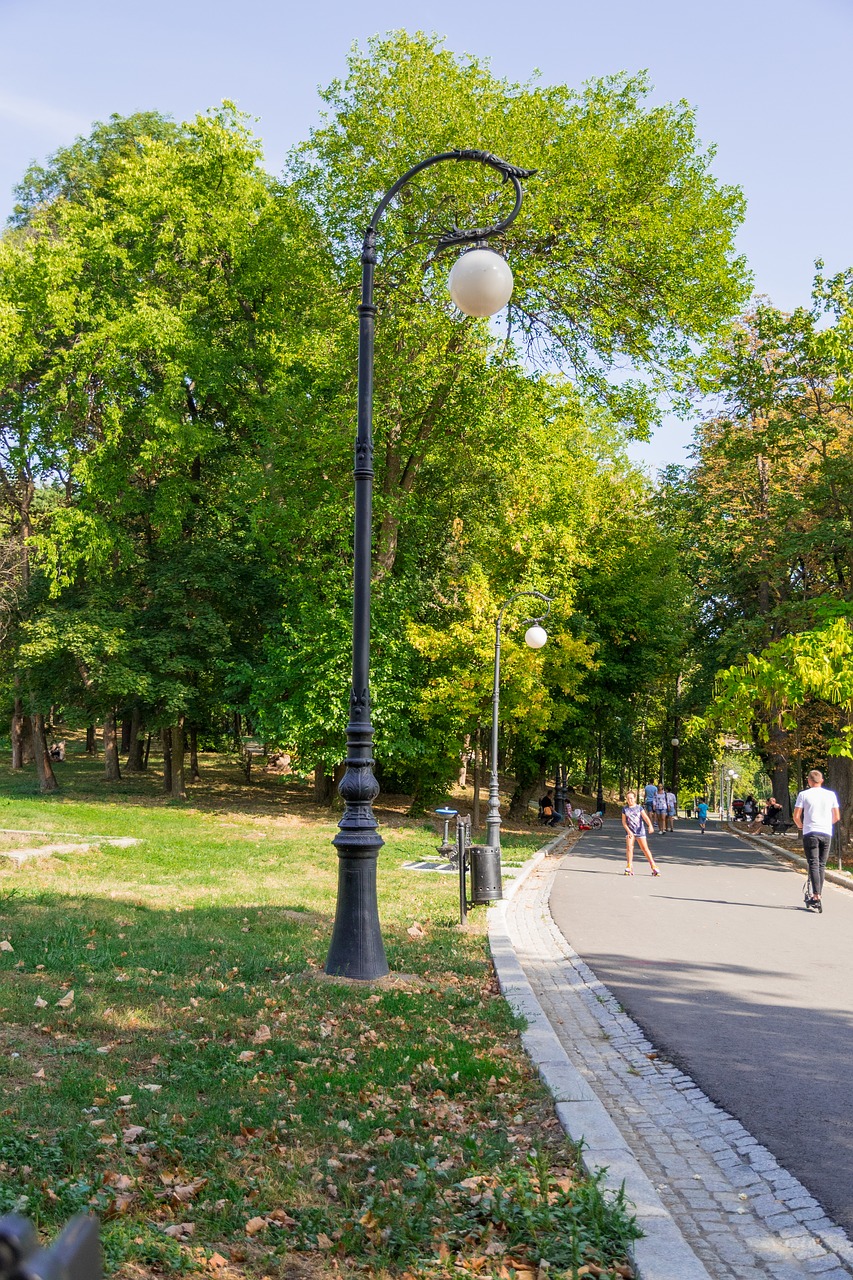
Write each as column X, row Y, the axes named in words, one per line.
column 770, row 81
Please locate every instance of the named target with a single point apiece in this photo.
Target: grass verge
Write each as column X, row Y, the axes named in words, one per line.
column 172, row 1057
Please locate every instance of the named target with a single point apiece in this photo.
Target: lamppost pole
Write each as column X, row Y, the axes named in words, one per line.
column 493, row 818
column 356, row 949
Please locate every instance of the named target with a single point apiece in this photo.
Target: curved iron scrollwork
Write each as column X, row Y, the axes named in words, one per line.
column 456, row 235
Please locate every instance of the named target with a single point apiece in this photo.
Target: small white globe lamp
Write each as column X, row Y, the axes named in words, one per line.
column 535, row 637
column 675, row 742
column 480, row 282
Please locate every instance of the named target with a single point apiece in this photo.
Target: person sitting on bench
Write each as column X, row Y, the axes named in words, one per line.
column 547, row 813
column 772, row 813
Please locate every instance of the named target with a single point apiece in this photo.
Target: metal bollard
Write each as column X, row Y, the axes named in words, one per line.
column 74, row 1255
column 461, row 862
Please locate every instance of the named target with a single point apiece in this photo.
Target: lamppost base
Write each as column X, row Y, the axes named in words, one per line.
column 356, row 949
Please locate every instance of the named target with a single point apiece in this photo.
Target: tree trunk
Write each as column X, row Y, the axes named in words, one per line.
column 839, row 778
column 135, row 763
column 21, row 735
column 324, row 785
column 166, row 738
column 91, row 744
column 464, row 757
column 126, row 723
column 112, row 772
column 44, row 768
column 526, row 788
column 179, row 789
column 195, row 776
column 478, row 768
column 147, row 752
column 779, row 771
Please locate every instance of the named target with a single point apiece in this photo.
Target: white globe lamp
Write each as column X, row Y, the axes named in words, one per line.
column 480, row 282
column 535, row 637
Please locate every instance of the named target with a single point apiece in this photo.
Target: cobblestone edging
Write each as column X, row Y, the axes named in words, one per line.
column 712, row 1201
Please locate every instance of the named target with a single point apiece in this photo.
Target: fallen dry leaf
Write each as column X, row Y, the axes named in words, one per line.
column 324, row 1241
column 120, row 1181
column 66, row 1001
column 188, row 1190
column 283, row 1219
column 5, row 945
column 262, row 1034
column 254, row 1225
column 152, row 1088
column 122, row 1203
column 246, row 1056
column 39, row 1075
column 132, row 1132
column 180, row 1230
column 216, row 1262
column 40, row 1004
column 415, row 931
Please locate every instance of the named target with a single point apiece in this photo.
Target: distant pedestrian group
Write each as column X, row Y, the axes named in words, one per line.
column 816, row 810
column 661, row 805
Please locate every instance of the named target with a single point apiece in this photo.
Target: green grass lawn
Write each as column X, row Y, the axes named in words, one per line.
column 173, row 1057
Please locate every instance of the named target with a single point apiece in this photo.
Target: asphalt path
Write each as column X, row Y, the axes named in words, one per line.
column 733, row 981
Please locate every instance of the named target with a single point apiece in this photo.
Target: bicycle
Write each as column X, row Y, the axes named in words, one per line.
column 588, row 821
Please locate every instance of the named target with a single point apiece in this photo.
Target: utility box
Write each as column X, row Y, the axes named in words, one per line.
column 485, row 862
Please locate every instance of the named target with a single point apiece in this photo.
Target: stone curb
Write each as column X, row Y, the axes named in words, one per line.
column 834, row 877
column 662, row 1253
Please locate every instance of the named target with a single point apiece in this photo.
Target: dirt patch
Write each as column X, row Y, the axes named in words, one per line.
column 391, row 981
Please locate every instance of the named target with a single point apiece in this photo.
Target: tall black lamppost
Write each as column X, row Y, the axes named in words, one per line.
column 480, row 285
column 599, row 795
column 534, row 638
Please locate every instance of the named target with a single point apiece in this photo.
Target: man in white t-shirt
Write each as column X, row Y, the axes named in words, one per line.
column 815, row 811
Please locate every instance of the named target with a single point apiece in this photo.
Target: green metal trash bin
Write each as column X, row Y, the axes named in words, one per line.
column 485, row 862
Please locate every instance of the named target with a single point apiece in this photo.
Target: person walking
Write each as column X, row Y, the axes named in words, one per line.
column 815, row 811
column 659, row 806
column 702, row 814
column 671, row 810
column 634, row 819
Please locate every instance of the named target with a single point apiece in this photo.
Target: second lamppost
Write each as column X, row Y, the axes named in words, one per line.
column 480, row 285
column 534, row 637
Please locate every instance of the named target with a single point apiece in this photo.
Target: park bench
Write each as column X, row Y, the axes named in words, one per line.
column 251, row 747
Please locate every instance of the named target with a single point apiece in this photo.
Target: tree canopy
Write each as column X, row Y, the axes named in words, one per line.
column 177, row 380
